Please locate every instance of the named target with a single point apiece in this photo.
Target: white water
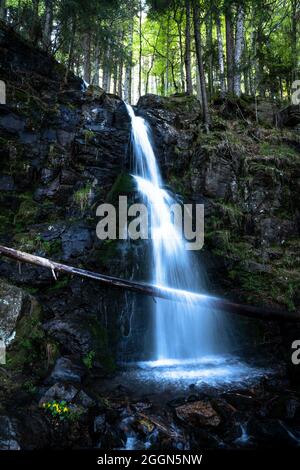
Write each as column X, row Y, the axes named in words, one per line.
column 185, row 330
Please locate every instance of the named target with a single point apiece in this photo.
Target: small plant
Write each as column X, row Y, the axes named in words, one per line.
column 88, row 136
column 88, row 360
column 57, row 409
column 82, row 197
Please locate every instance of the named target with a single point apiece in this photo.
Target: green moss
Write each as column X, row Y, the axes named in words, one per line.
column 101, row 351
column 60, row 284
column 82, row 196
column 88, row 360
column 278, row 150
column 28, row 348
column 27, row 212
column 124, row 184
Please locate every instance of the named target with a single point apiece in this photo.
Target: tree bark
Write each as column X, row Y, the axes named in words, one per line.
column 48, row 23
column 95, row 80
column 220, row 55
column 3, row 9
column 295, row 14
column 209, row 44
column 128, row 71
column 229, row 48
column 152, row 290
column 140, row 50
column 187, row 57
column 71, row 48
column 238, row 50
column 87, row 57
column 198, row 42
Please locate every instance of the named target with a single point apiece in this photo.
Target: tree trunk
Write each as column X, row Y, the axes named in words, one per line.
column 179, row 23
column 128, row 71
column 187, row 58
column 87, row 57
column 209, row 44
column 167, row 57
column 220, row 55
column 106, row 68
column 229, row 48
column 239, row 40
column 140, row 50
column 197, row 32
column 71, row 48
column 115, row 89
column 150, row 289
column 295, row 14
column 2, row 9
column 95, row 80
column 48, row 23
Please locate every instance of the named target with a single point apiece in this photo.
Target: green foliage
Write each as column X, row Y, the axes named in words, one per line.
column 58, row 409
column 88, row 360
column 82, row 196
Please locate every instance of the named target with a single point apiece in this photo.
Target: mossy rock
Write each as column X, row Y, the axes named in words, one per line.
column 124, row 184
column 27, row 213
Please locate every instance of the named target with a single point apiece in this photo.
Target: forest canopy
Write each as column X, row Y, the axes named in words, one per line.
column 133, row 47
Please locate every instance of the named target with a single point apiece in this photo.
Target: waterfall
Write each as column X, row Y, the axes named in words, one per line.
column 182, row 331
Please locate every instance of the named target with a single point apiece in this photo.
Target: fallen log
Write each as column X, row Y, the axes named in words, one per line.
column 152, row 290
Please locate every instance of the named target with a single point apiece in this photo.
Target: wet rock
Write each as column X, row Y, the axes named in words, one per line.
column 59, row 391
column 72, row 334
column 12, row 301
column 7, row 183
column 269, row 432
column 66, row 371
column 99, row 424
column 198, row 413
column 8, row 434
column 84, row 400
column 76, row 241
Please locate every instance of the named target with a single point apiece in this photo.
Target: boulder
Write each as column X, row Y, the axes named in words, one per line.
column 66, row 371
column 8, row 434
column 198, row 413
column 11, row 308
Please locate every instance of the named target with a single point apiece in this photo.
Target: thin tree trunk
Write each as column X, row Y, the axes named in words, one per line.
column 115, row 78
column 198, row 42
column 167, row 57
column 209, row 42
column 187, row 58
column 87, row 57
column 95, row 80
column 128, row 71
column 220, row 55
column 71, row 48
column 179, row 23
column 140, row 50
column 106, row 68
column 238, row 50
column 295, row 14
column 229, row 48
column 48, row 23
column 120, row 67
column 2, row 9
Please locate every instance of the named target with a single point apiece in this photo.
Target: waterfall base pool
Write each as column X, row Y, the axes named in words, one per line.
column 218, row 371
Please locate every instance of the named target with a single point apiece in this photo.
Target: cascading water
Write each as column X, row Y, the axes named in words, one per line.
column 183, row 331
